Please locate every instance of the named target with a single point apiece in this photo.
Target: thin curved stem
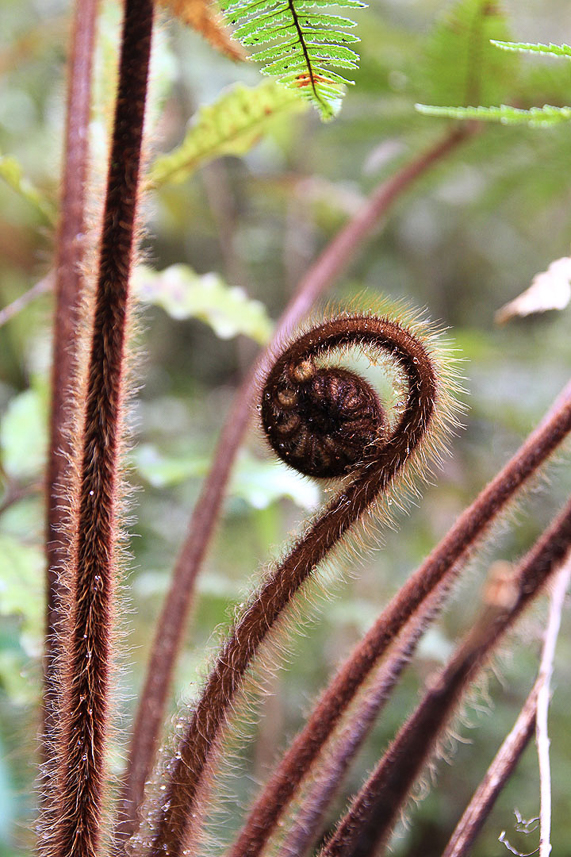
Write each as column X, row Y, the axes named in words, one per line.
column 507, row 757
column 367, row 825
column 76, row 830
column 443, row 565
column 170, row 627
column 177, row 825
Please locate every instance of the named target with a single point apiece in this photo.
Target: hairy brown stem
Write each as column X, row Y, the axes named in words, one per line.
column 309, row 815
column 444, row 564
column 170, row 628
column 333, row 420
column 76, row 828
column 370, row 820
column 69, row 256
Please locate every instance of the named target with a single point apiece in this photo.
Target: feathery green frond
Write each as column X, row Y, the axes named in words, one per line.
column 505, row 114
column 305, row 42
column 230, row 126
column 527, row 47
column 461, row 66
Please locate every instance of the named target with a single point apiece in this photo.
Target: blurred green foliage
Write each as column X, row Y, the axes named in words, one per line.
column 467, row 238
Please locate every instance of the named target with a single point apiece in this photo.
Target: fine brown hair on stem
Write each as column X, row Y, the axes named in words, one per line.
column 442, row 567
column 329, row 399
column 167, row 642
column 68, row 282
column 309, row 808
column 367, row 825
column 86, row 670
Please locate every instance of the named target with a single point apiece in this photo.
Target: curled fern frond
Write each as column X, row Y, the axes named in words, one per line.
column 306, row 41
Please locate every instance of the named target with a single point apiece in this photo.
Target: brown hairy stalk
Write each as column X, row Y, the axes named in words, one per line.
column 326, row 422
column 69, row 256
column 85, row 679
column 496, row 777
column 170, row 628
column 367, row 825
column 444, row 564
column 311, row 805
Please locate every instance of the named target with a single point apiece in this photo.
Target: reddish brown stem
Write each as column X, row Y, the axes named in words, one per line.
column 170, row 628
column 443, row 564
column 366, row 827
column 296, row 374
column 495, row 779
column 308, row 819
column 81, row 775
column 69, row 256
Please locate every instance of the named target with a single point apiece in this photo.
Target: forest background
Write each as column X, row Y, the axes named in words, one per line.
column 466, row 238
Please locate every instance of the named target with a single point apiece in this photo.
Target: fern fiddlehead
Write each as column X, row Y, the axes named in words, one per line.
column 371, row 458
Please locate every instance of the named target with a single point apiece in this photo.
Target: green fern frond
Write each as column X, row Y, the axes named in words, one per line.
column 527, row 47
column 230, row 126
column 305, row 43
column 506, row 115
column 460, row 64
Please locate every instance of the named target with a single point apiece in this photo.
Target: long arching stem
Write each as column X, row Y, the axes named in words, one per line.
column 370, row 820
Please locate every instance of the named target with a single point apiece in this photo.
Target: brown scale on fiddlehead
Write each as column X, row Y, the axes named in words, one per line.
column 353, row 439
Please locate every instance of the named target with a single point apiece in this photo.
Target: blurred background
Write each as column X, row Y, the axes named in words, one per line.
column 464, row 240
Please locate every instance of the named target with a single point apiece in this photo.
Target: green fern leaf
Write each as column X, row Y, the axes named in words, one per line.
column 305, row 42
column 230, row 126
column 506, row 115
column 461, row 66
column 527, row 47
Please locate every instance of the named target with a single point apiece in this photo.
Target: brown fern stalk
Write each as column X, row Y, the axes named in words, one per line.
column 496, row 777
column 443, row 565
column 87, row 670
column 312, row 805
column 367, row 825
column 326, row 422
column 170, row 628
column 69, row 256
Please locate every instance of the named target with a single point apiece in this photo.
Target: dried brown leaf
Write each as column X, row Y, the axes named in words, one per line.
column 550, row 289
column 202, row 16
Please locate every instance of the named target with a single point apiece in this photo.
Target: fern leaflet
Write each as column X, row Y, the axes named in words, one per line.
column 531, row 47
column 305, row 41
column 505, row 114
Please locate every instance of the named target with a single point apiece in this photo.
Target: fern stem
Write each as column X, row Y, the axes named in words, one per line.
column 68, row 282
column 177, row 826
column 170, row 627
column 308, row 816
column 441, row 568
column 86, row 672
column 366, row 827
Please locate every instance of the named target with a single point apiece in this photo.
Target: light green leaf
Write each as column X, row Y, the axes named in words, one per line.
column 461, row 66
column 21, row 587
column 230, row 126
column 183, row 293
column 23, row 436
column 13, row 174
column 535, row 117
column 291, row 26
column 530, row 47
column 259, row 483
column 162, row 471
